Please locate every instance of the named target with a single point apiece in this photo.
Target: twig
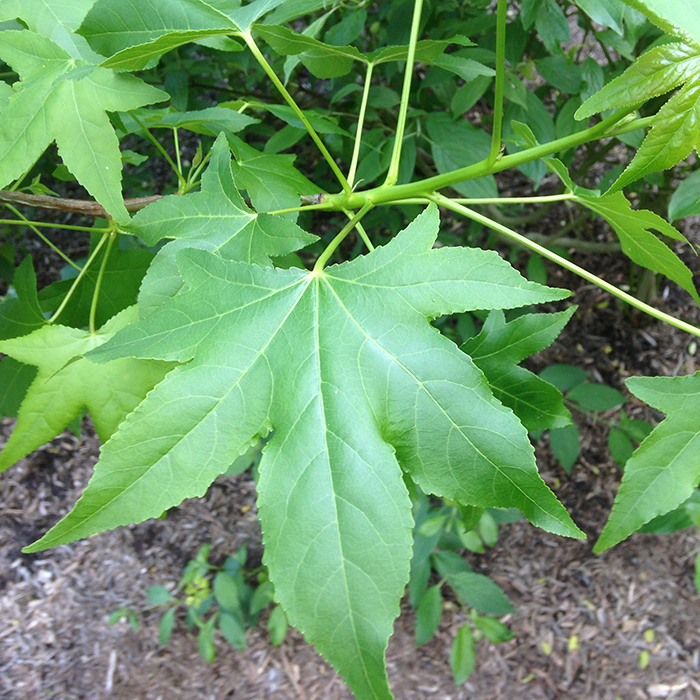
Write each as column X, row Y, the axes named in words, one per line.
column 74, row 206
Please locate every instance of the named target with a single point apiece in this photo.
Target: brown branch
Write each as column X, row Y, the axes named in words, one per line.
column 72, row 206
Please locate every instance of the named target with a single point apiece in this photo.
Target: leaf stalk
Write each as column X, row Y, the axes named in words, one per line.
column 500, row 82
column 333, row 245
column 393, row 174
column 562, row 262
column 247, row 37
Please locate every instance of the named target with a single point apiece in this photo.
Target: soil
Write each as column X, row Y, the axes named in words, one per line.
column 582, row 622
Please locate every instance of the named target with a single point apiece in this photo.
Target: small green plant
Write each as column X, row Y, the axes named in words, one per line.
column 227, row 598
column 591, row 399
column 214, row 318
column 440, row 534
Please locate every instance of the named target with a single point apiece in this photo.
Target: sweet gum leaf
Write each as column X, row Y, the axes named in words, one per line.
column 66, row 382
column 63, row 100
column 215, row 219
column 665, row 468
column 344, row 367
column 499, row 348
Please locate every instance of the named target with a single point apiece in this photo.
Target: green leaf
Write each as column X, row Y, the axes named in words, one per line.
column 552, row 25
column 665, row 468
column 21, row 314
column 480, row 592
column 158, row 595
column 565, row 444
column 272, row 181
column 322, row 60
column 277, row 626
column 633, row 228
column 675, row 132
column 59, row 101
column 488, row 529
column 494, row 630
column 564, row 377
column 465, row 68
column 215, row 219
column 428, row 615
column 596, row 397
column 499, row 348
column 561, row 73
column 635, row 429
column 15, row 380
column 209, row 121
column 262, row 596
column 133, row 32
column 226, row 592
column 205, row 641
column 54, row 20
column 685, row 201
column 676, row 17
column 456, row 145
column 123, row 273
column 64, row 384
column 609, row 13
column 323, row 358
column 654, row 73
column 165, row 628
column 620, row 446
column 462, row 655
column 232, row 628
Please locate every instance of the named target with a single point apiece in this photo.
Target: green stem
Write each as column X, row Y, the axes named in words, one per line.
column 500, row 82
column 51, row 245
column 360, row 124
column 64, row 226
column 176, row 142
column 156, row 143
column 192, row 180
column 20, row 180
column 98, row 284
column 80, row 276
column 326, row 255
column 361, row 230
column 515, row 200
column 546, row 253
column 247, row 37
column 305, row 207
column 423, row 188
column 393, row 174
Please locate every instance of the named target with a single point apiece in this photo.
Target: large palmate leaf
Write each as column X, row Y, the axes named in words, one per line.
column 215, row 219
column 675, row 131
column 64, row 384
column 56, row 20
column 134, row 32
column 344, row 367
column 66, row 99
column 499, row 348
column 665, row 468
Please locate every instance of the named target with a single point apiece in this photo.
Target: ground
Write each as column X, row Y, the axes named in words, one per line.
column 581, row 620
